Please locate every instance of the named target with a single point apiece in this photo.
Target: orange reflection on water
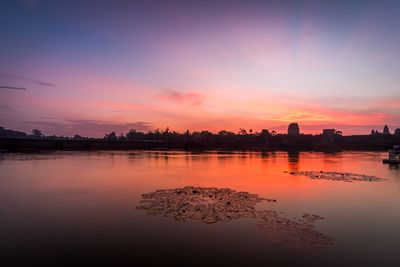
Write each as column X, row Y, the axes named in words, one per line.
column 79, row 196
column 125, row 175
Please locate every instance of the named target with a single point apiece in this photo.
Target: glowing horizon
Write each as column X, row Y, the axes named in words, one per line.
column 96, row 68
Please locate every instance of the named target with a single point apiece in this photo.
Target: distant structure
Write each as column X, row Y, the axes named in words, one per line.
column 386, row 130
column 397, row 132
column 293, row 129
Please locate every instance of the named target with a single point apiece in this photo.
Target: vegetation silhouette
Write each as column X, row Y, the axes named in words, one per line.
column 329, row 139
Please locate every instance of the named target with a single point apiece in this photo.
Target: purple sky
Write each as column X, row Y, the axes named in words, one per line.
column 91, row 67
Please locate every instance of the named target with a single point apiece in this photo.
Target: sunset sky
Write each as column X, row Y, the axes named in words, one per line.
column 90, row 67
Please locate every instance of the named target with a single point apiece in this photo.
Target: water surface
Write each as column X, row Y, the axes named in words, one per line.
column 75, row 208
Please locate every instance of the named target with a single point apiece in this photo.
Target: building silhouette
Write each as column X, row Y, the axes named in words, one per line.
column 386, row 130
column 293, row 129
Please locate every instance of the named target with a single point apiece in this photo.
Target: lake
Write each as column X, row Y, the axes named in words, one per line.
column 211, row 208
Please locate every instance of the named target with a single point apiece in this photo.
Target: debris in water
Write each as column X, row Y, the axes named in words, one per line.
column 337, row 176
column 311, row 218
column 283, row 231
column 211, row 205
column 201, row 203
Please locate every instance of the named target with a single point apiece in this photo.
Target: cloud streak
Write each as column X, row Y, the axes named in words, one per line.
column 12, row 88
column 96, row 128
column 191, row 98
column 25, row 79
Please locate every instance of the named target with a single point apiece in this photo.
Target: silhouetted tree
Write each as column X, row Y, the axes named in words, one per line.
column 121, row 137
column 5, row 133
column 111, row 136
column 37, row 133
column 265, row 133
column 187, row 135
column 77, row 136
column 134, row 135
column 225, row 133
column 242, row 131
column 206, row 134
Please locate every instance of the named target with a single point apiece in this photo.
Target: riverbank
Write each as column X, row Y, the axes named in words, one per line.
column 33, row 145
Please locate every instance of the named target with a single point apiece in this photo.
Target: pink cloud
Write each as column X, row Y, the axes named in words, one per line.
column 192, row 98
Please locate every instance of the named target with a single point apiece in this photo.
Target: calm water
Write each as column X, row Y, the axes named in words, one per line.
column 79, row 208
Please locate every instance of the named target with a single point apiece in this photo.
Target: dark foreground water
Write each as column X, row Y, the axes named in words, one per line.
column 89, row 209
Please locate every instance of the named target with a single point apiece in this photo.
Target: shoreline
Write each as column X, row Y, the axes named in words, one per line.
column 37, row 145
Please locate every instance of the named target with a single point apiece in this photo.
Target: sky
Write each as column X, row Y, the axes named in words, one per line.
column 91, row 67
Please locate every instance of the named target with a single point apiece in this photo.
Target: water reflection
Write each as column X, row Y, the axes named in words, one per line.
column 29, row 157
column 265, row 154
column 212, row 205
column 293, row 160
column 394, row 166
